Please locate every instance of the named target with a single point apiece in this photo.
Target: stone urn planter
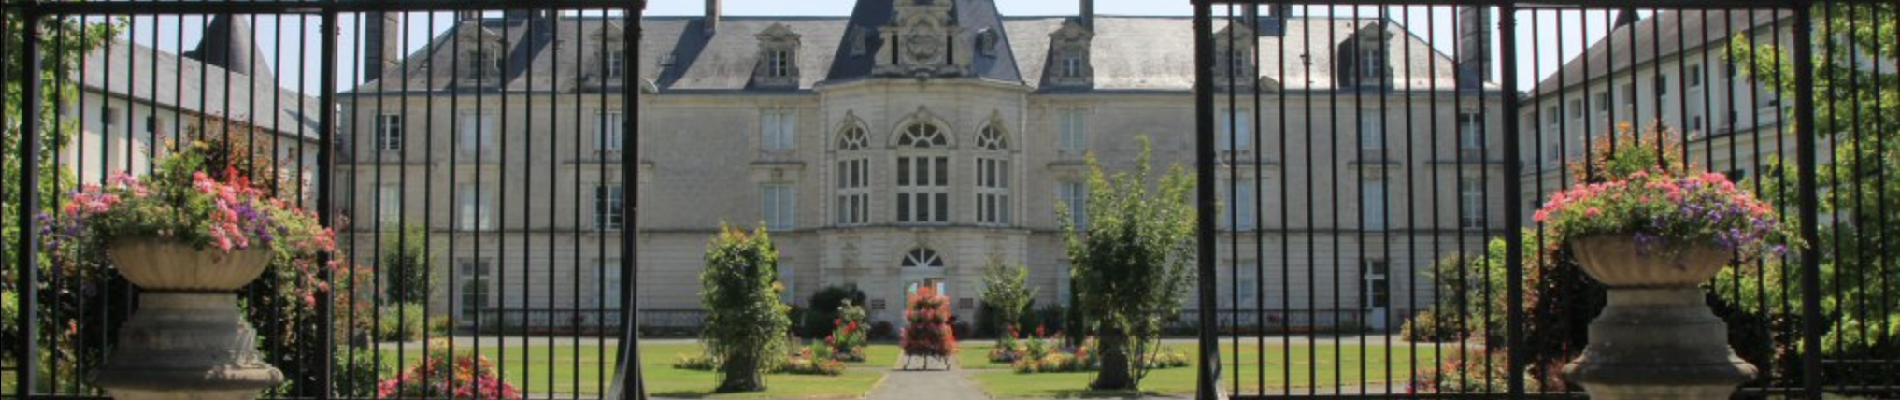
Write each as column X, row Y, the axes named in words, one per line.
column 187, row 340
column 1656, row 339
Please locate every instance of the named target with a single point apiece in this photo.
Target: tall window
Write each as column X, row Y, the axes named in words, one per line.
column 609, row 202
column 778, row 128
column 1471, row 136
column 778, row 206
column 1240, row 205
column 1074, row 131
column 477, row 205
column 1695, row 76
column 611, row 131
column 854, row 178
column 1553, row 134
column 616, row 61
column 609, row 277
column 992, row 177
column 1236, row 130
column 1074, row 197
column 1471, row 203
column 477, row 132
column 923, row 181
column 388, row 203
column 779, row 63
column 1372, row 203
column 1371, row 131
column 473, row 289
column 388, row 132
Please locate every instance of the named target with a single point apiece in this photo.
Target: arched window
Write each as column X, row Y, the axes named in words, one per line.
column 923, row 136
column 854, row 178
column 923, row 178
column 922, row 257
column 992, row 138
column 853, row 138
column 992, row 177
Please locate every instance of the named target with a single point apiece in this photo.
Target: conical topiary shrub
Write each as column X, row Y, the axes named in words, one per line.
column 927, row 334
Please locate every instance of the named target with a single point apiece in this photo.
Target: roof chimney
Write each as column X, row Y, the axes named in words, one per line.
column 383, row 40
column 1088, row 13
column 712, row 17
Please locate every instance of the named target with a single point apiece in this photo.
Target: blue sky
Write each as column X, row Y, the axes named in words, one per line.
column 1541, row 52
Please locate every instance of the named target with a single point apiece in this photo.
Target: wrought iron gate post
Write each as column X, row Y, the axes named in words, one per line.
column 326, row 186
column 29, row 200
column 1207, row 372
column 1513, row 195
column 1809, row 203
column 629, row 358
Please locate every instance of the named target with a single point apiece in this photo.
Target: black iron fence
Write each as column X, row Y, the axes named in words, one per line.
column 1375, row 166
column 1384, row 157
column 424, row 265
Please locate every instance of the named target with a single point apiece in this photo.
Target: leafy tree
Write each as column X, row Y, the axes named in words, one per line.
column 407, row 258
column 746, row 324
column 1856, row 108
column 1007, row 293
column 81, row 285
column 1132, row 265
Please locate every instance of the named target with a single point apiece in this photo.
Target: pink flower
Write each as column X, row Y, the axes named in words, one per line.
column 1593, row 211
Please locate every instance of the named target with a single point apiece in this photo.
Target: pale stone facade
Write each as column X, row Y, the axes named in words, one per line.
column 906, row 145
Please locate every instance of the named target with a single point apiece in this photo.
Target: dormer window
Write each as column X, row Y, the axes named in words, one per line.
column 778, row 58
column 1069, row 55
column 986, row 42
column 615, row 63
column 1365, row 56
column 481, row 65
column 479, row 51
column 1235, row 54
column 778, row 63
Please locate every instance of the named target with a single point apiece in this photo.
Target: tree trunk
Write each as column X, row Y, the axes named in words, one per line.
column 1116, row 373
column 741, row 374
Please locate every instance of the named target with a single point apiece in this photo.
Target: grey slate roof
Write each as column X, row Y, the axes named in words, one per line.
column 1130, row 53
column 173, row 82
column 1658, row 35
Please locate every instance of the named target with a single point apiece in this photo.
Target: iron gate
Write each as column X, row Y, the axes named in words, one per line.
column 127, row 82
column 1368, row 174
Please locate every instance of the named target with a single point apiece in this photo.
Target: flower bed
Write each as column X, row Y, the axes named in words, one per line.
column 453, row 375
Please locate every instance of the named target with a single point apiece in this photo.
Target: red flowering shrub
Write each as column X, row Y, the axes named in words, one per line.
column 847, row 340
column 928, row 333
column 465, row 375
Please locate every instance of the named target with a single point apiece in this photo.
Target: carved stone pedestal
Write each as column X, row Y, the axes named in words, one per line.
column 180, row 346
column 1658, row 344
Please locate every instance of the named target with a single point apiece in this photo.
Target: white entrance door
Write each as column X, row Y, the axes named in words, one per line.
column 1378, row 292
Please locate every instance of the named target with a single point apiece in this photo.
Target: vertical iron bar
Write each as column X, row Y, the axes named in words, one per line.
column 1513, row 195
column 1805, row 158
column 1206, row 378
column 28, row 250
column 326, row 184
column 629, row 204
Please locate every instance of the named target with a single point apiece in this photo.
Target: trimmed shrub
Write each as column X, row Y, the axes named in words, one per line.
column 1425, row 327
column 696, row 362
column 822, row 316
column 460, row 375
column 746, row 326
column 402, row 322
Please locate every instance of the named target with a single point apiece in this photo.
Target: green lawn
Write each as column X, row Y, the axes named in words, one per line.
column 547, row 369
column 999, row 382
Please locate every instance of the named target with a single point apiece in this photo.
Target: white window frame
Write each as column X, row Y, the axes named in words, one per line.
column 474, row 273
column 779, row 63
column 1075, row 194
column 609, row 277
column 778, row 205
column 388, row 203
column 1072, row 126
column 609, row 207
column 1471, row 208
column 476, row 206
column 854, row 191
column 1371, row 130
column 923, row 176
column 1241, row 123
column 616, row 61
column 1072, row 66
column 1471, row 135
column 389, row 132
column 1240, row 197
column 992, row 191
column 1374, row 210
column 778, row 129
column 476, row 133
column 609, row 134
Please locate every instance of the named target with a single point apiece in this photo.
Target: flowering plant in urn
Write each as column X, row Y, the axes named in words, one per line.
column 182, row 208
column 1648, row 200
